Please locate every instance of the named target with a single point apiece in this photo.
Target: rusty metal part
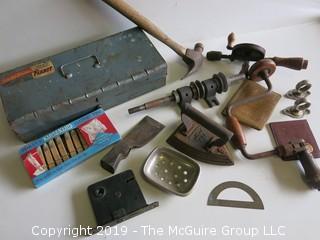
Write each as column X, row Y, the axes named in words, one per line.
column 194, row 140
column 76, row 141
column 137, row 137
column 254, row 114
column 282, row 133
column 44, row 165
column 55, row 153
column 296, row 149
column 261, row 69
column 70, row 147
column 153, row 104
column 192, row 57
column 301, row 90
column 253, row 52
column 48, row 156
column 256, row 202
column 299, row 109
column 62, row 149
column 206, row 89
column 82, row 140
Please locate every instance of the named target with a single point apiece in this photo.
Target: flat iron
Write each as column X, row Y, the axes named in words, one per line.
column 201, row 141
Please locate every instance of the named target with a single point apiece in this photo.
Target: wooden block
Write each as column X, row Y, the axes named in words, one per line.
column 76, row 141
column 70, row 146
column 62, row 149
column 55, row 153
column 255, row 114
column 48, row 156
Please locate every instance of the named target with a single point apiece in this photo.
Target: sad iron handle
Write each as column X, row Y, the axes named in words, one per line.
column 224, row 135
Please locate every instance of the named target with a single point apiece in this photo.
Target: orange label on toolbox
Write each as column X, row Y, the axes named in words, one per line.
column 42, row 69
column 36, row 71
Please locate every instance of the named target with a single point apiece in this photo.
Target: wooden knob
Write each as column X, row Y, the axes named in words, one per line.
column 231, row 40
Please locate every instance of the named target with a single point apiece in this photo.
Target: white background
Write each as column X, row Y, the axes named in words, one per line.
column 30, row 30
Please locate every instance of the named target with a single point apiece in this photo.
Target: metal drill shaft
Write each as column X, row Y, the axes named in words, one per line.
column 153, row 104
column 206, row 90
column 236, row 78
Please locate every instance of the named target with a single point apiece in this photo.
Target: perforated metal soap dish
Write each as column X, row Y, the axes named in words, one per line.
column 171, row 171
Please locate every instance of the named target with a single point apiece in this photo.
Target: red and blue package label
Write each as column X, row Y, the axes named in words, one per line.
column 33, row 163
column 90, row 129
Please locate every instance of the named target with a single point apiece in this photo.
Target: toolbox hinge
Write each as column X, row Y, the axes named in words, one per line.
column 36, row 114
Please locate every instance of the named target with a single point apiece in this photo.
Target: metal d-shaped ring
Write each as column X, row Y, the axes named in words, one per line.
column 256, row 202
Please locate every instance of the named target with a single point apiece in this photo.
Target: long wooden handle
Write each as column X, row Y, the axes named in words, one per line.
column 296, row 63
column 132, row 14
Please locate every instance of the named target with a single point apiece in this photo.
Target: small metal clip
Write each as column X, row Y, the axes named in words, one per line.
column 301, row 90
column 299, row 109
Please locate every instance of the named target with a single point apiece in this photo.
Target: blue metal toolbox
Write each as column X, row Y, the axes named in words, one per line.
column 48, row 93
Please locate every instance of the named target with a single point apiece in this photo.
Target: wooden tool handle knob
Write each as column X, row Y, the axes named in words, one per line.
column 296, row 63
column 231, row 40
column 238, row 139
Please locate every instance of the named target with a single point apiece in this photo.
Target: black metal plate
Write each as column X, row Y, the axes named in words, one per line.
column 117, row 199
